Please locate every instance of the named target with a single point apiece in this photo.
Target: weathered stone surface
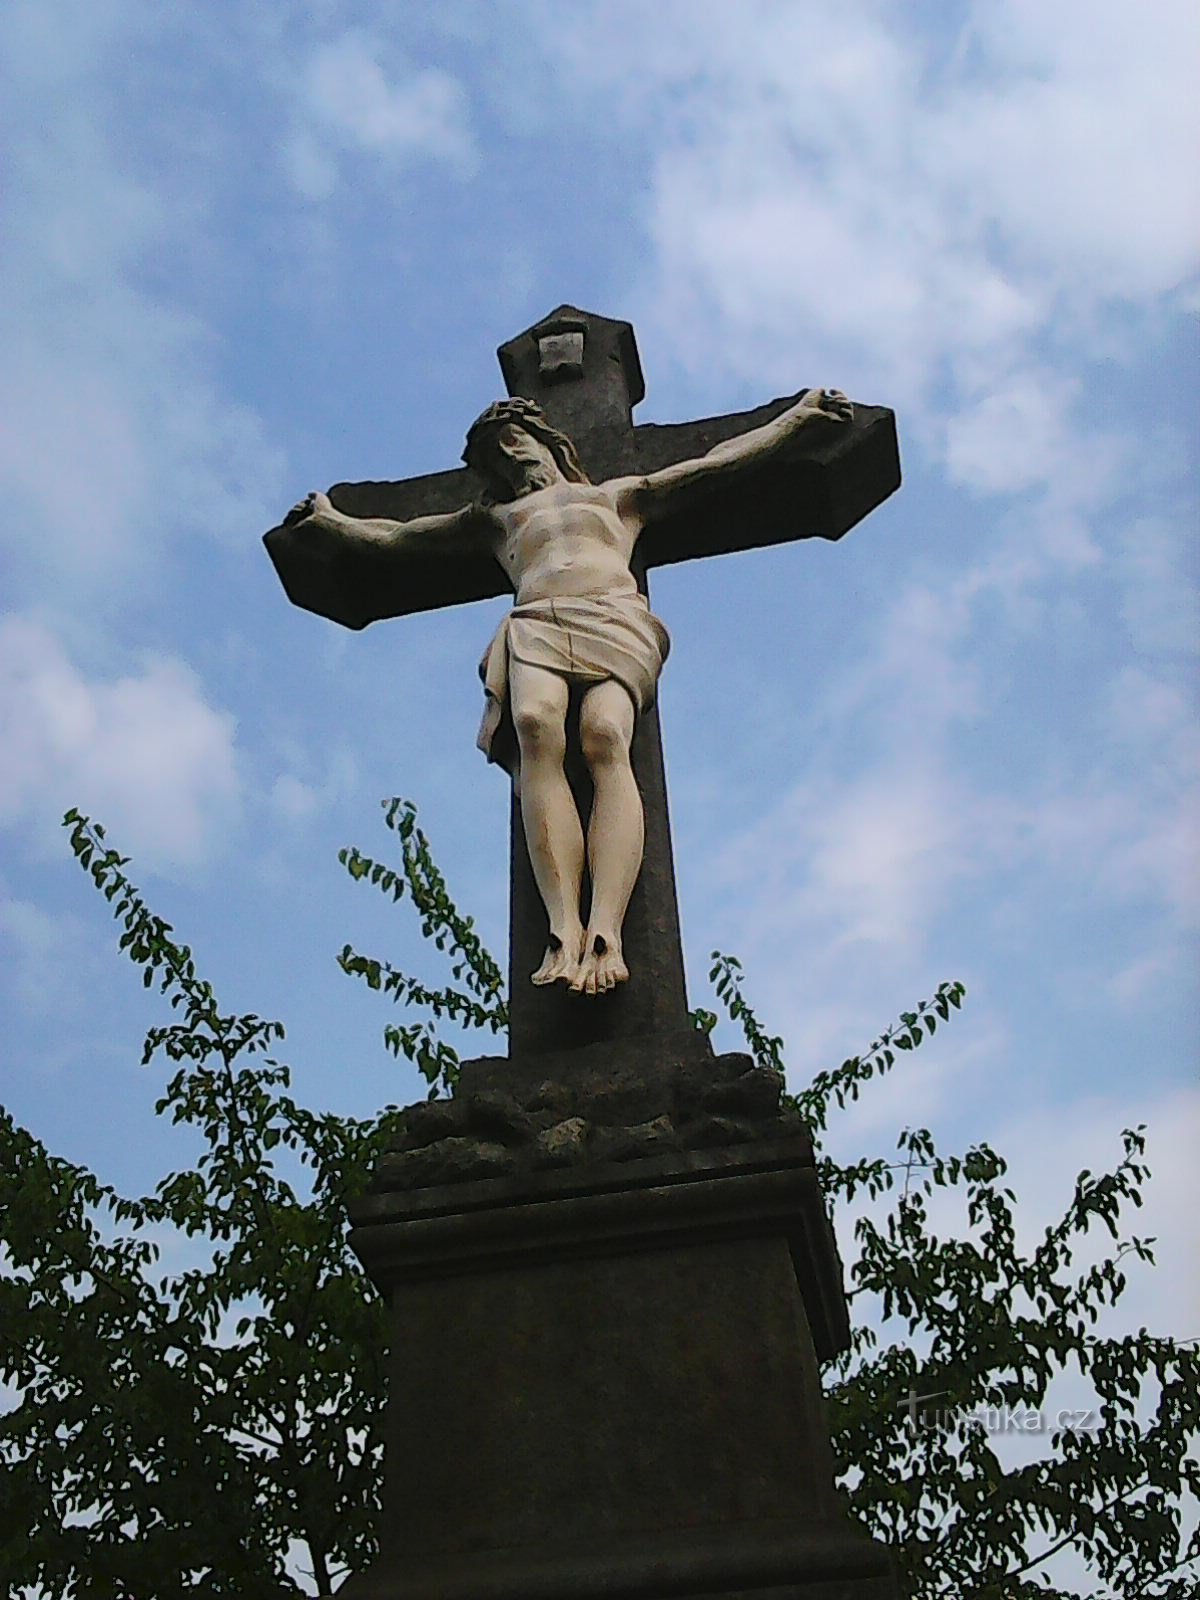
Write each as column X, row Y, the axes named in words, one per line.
column 561, row 1144
column 636, row 1407
column 714, row 1130
column 499, row 1115
column 621, row 1083
column 698, row 1081
column 754, row 1094
column 428, row 1120
column 550, row 1096
column 643, row 1139
column 789, row 1122
column 456, row 1160
column 633, row 1099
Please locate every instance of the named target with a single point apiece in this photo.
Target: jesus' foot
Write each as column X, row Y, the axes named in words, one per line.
column 602, row 966
column 561, row 959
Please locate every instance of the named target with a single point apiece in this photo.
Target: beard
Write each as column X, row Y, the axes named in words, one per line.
column 534, row 476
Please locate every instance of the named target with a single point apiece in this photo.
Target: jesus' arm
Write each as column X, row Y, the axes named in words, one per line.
column 656, row 494
column 320, row 522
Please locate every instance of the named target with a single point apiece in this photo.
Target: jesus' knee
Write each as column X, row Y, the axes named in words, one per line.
column 541, row 732
column 605, row 739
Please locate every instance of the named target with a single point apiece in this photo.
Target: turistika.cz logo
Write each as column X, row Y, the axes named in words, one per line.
column 994, row 1416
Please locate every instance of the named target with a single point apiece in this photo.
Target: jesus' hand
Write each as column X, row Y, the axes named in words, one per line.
column 315, row 504
column 826, row 405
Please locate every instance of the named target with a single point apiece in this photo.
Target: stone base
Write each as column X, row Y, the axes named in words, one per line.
column 605, row 1387
column 666, row 1570
column 595, row 1116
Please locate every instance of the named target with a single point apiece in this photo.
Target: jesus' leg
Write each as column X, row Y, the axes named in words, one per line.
column 616, row 832
column 552, row 830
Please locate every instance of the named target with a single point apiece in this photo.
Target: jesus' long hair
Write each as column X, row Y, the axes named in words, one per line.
column 480, row 450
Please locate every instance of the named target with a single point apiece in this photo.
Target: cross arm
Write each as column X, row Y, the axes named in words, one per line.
column 446, row 560
column 817, row 484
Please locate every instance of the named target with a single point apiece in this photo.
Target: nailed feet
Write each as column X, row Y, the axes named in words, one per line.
column 602, row 966
column 589, row 963
column 562, row 958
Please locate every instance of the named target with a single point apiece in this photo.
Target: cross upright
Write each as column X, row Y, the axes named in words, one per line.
column 584, row 372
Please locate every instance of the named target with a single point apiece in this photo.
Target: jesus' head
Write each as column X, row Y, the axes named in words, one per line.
column 515, row 450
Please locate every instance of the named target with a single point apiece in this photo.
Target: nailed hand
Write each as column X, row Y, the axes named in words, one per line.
column 313, row 505
column 829, row 405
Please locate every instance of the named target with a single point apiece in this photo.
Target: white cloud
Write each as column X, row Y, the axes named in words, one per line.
column 1080, row 146
column 143, row 753
column 1131, row 836
column 867, row 860
column 1159, row 567
column 119, row 438
column 306, row 783
column 843, row 930
column 44, row 956
column 921, row 214
column 1131, row 987
column 1047, row 1146
column 883, row 844
column 119, row 444
column 1013, row 438
column 293, row 799
column 356, row 101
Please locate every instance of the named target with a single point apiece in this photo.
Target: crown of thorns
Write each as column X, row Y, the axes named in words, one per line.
column 525, row 414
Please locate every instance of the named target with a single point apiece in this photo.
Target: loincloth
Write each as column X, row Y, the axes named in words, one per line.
column 582, row 640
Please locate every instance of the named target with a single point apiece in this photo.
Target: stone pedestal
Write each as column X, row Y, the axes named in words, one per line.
column 605, row 1352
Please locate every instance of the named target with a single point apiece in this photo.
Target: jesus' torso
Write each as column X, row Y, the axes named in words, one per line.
column 568, row 541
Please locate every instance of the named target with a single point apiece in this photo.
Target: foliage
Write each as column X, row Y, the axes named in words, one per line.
column 178, row 1434
column 480, row 1004
column 983, row 1329
column 196, row 1433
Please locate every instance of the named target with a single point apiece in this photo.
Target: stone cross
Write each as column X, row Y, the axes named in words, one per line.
column 585, row 373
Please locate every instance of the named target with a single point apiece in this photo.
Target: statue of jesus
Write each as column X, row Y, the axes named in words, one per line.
column 578, row 619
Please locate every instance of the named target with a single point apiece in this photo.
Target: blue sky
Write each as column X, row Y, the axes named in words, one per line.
column 253, row 250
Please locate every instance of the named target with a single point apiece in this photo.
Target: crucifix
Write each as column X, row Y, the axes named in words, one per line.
column 567, row 503
column 613, row 1238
